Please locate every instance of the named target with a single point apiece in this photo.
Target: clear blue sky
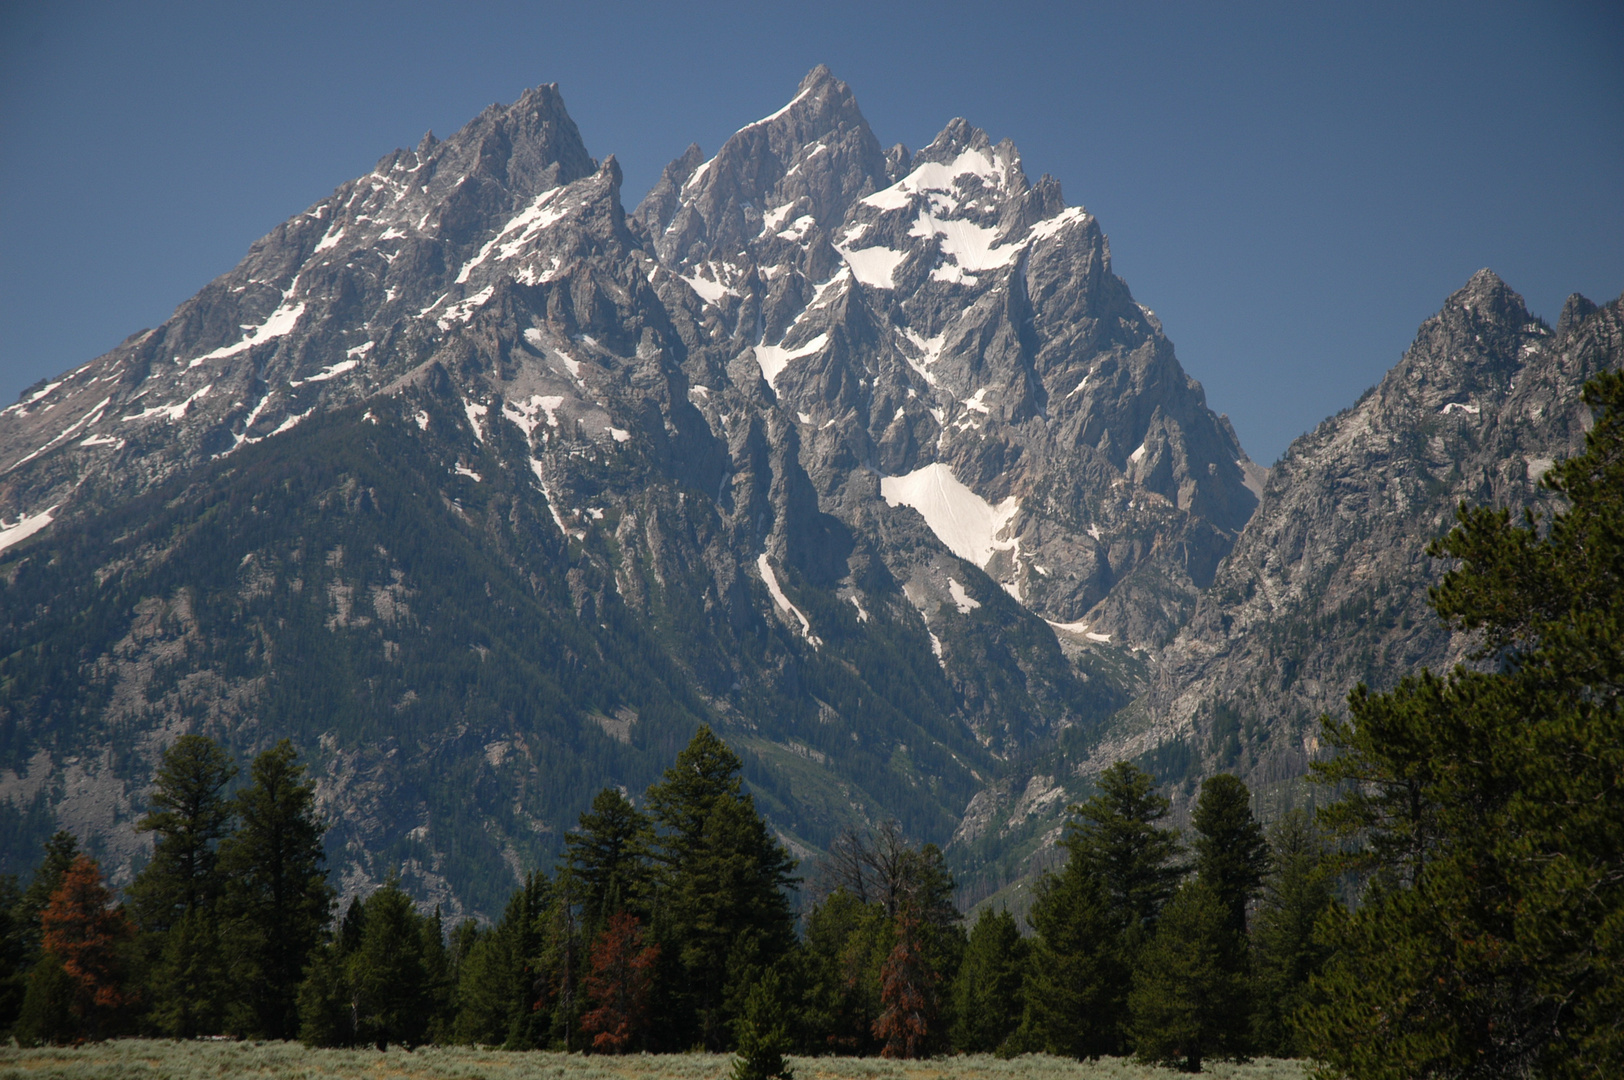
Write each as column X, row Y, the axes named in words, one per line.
column 1292, row 187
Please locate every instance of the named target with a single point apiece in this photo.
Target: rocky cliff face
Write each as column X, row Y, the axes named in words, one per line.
column 949, row 336
column 1327, row 586
column 487, row 492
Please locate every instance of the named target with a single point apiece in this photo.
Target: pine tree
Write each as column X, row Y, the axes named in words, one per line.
column 987, row 994
column 392, row 972
column 41, row 985
column 723, row 881
column 1296, row 895
column 609, row 858
column 1488, row 808
column 847, row 942
column 1189, row 1001
column 1097, row 913
column 278, row 901
column 13, row 950
column 497, row 976
column 761, row 1031
column 558, row 965
column 381, row 980
column 618, row 985
column 907, row 993
column 176, row 896
column 1191, row 985
column 77, row 989
column 1231, row 853
column 60, row 852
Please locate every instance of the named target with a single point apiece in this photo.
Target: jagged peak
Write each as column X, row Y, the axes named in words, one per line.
column 1486, row 296
column 530, row 135
column 958, row 136
column 821, row 106
column 1577, row 309
column 818, row 76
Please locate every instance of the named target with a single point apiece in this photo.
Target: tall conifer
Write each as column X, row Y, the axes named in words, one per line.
column 723, row 881
column 176, row 896
column 278, row 901
column 1489, row 810
column 1096, row 914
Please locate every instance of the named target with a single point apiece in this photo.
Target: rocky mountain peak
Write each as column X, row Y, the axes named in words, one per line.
column 1327, row 585
column 1576, row 310
column 807, row 160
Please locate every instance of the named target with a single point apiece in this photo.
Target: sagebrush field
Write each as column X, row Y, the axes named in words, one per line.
column 130, row 1059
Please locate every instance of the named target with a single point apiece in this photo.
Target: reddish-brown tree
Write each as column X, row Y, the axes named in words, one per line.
column 622, row 974
column 79, row 930
column 907, row 993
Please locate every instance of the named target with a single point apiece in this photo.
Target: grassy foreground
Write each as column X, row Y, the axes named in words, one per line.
column 137, row 1059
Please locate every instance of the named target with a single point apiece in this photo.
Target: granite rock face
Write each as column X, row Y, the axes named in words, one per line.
column 868, row 453
column 937, row 319
column 1327, row 586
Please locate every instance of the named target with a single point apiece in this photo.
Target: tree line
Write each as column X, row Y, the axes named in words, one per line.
column 1477, row 818
column 666, row 927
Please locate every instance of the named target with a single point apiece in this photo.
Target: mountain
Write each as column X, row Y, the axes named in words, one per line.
column 1327, row 585
column 487, row 492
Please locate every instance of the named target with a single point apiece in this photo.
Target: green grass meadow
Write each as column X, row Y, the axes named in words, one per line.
column 139, row 1059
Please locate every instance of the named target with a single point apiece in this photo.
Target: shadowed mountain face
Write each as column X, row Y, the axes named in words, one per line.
column 487, row 492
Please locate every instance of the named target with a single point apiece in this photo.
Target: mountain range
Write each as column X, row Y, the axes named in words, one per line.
column 486, row 492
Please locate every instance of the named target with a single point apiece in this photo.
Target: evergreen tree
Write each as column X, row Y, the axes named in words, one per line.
column 13, row 950
column 176, row 895
column 1097, row 913
column 609, row 858
column 497, row 974
column 622, row 973
column 761, row 1031
column 77, row 989
column 278, row 901
column 558, row 967
column 1189, row 1000
column 1191, row 985
column 1296, row 895
column 847, row 942
column 46, row 1016
column 392, row 972
column 60, row 852
column 987, row 995
column 723, row 881
column 907, row 993
column 1489, row 811
column 22, row 947
column 381, row 981
column 1231, row 853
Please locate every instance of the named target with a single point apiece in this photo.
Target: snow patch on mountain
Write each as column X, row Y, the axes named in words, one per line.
column 278, row 324
column 966, row 523
column 24, row 527
column 775, row 358
column 937, row 177
column 771, row 580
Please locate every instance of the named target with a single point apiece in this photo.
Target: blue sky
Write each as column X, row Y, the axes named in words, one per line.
column 1292, row 187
